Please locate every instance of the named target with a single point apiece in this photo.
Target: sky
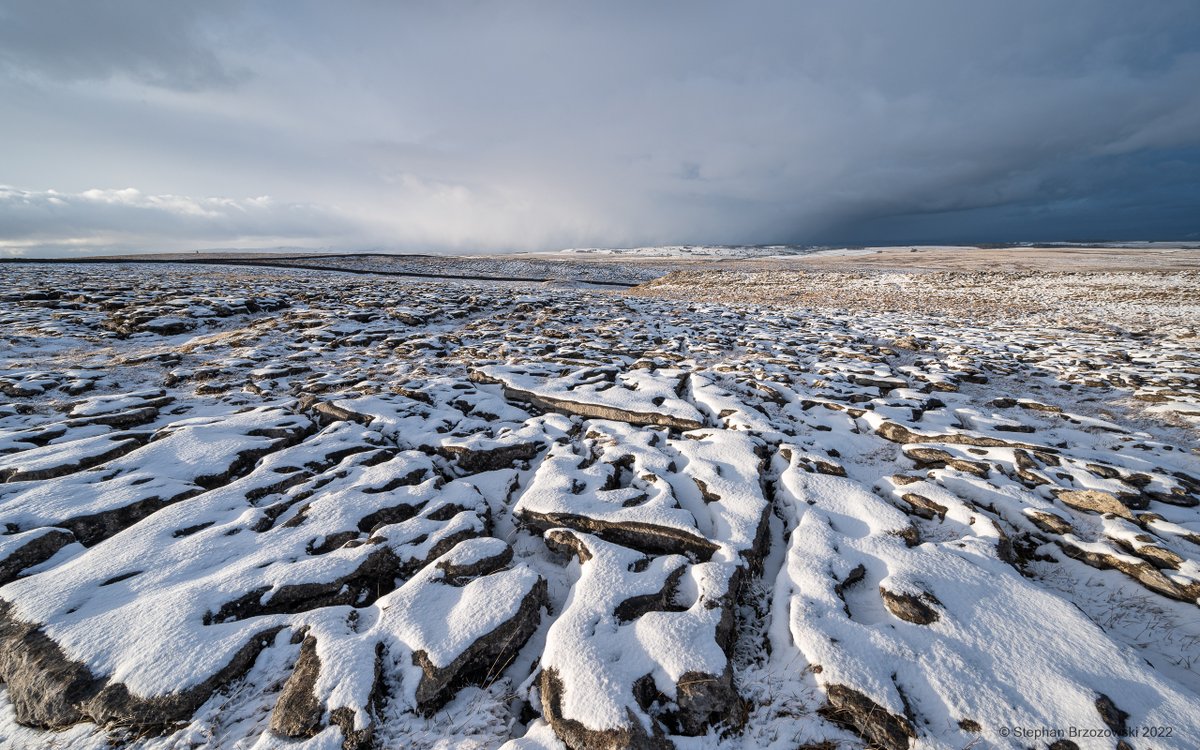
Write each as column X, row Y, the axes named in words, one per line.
column 493, row 126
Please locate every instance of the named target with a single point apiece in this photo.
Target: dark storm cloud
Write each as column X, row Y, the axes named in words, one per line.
column 534, row 125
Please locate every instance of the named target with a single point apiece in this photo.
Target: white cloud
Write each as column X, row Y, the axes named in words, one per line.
column 127, row 219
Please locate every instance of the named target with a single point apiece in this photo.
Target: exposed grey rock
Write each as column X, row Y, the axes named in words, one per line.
column 576, row 736
column 1096, row 501
column 49, row 690
column 879, row 727
column 37, row 550
column 898, row 433
column 640, row 536
column 476, row 460
column 921, row 609
column 593, row 411
column 1141, row 571
column 1047, row 521
column 485, row 659
column 923, row 506
column 1113, row 717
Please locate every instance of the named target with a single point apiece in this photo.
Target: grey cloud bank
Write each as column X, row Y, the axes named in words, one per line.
column 491, row 126
column 113, row 220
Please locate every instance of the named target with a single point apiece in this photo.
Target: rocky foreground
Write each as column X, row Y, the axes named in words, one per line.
column 281, row 509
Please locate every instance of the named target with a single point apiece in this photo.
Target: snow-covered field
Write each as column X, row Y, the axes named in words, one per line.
column 498, row 267
column 263, row 508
